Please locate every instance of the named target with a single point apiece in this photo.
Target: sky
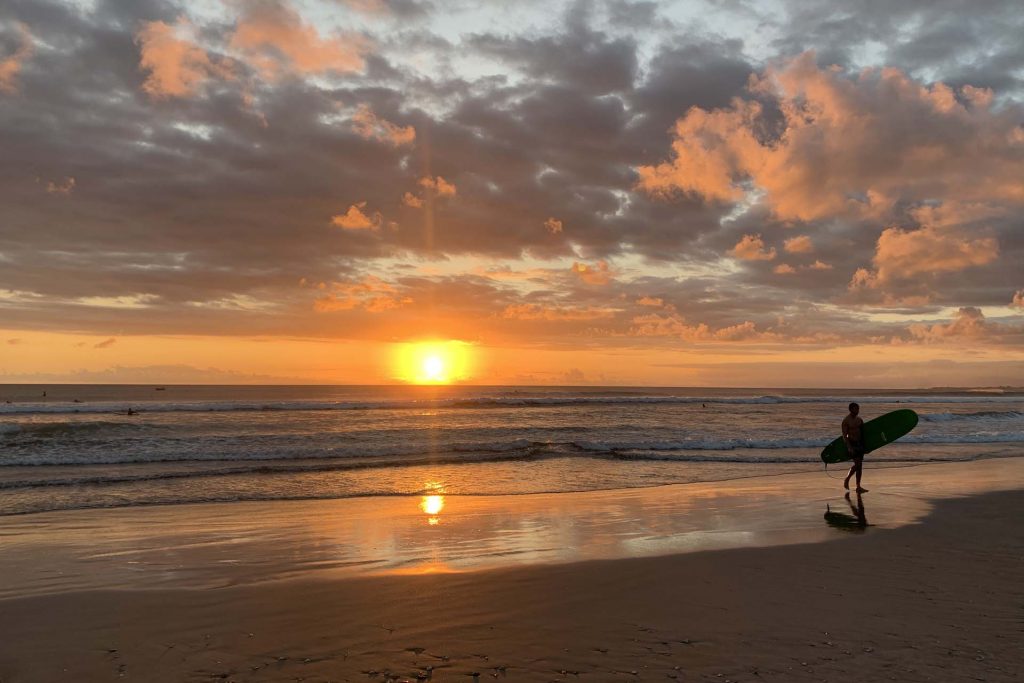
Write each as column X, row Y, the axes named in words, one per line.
column 730, row 193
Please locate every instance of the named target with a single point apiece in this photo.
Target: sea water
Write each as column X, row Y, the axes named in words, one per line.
column 77, row 446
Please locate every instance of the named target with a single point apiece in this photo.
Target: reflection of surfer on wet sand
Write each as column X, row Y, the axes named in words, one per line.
column 857, row 522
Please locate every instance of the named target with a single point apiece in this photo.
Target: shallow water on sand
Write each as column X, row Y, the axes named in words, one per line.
column 216, row 545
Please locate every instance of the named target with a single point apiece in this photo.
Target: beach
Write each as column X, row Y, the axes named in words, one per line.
column 768, row 578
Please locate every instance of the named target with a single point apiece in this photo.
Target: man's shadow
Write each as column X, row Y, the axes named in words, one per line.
column 856, row 522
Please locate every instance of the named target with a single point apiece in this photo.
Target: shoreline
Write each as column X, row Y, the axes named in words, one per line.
column 938, row 600
column 212, row 545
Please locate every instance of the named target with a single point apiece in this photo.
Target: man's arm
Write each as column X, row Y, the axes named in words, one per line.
column 846, row 431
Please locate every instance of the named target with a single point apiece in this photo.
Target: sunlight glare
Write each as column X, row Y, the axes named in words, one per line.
column 440, row 362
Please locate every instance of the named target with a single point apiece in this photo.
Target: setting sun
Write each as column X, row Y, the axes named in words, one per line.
column 433, row 368
column 433, row 362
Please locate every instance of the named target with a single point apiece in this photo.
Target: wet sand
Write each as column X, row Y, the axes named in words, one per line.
column 931, row 591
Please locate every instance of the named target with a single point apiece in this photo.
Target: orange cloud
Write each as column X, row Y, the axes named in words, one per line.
column 1018, row 299
column 906, row 254
column 798, row 245
column 370, row 294
column 844, row 146
column 550, row 313
column 11, row 65
column 437, row 184
column 673, row 325
column 784, row 269
column 105, row 344
column 654, row 301
column 751, row 248
column 368, row 125
column 968, row 322
column 356, row 219
column 599, row 274
column 409, row 199
column 177, row 66
column 553, row 225
column 273, row 38
column 63, row 188
column 368, row 6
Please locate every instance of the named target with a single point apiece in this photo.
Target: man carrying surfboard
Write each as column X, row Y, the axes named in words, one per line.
column 853, row 435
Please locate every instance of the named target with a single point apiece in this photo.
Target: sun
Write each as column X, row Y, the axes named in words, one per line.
column 433, row 369
column 433, row 362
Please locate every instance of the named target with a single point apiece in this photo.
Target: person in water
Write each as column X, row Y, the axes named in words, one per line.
column 853, row 436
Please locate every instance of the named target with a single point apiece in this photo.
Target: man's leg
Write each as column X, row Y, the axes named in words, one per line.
column 860, row 466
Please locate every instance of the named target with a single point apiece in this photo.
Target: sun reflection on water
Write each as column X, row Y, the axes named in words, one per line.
column 432, row 504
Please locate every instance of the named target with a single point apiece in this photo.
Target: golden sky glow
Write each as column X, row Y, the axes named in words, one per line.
column 671, row 193
column 433, row 362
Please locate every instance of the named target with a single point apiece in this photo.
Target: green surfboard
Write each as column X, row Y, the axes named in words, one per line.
column 877, row 432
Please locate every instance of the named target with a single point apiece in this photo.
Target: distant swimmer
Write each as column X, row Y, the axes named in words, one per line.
column 130, row 412
column 853, row 436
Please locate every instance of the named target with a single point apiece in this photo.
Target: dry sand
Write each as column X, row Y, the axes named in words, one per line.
column 938, row 600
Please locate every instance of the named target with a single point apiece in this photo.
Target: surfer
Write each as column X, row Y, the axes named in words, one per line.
column 853, row 436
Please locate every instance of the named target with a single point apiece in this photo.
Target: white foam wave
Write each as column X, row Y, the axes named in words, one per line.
column 976, row 416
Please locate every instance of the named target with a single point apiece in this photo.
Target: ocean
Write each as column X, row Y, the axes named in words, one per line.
column 77, row 446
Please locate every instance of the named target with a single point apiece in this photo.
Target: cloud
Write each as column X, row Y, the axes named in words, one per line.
column 356, row 219
column 438, row 185
column 908, row 254
column 177, row 66
column 839, row 144
column 272, row 38
column 751, row 248
column 105, row 344
column 371, row 294
column 14, row 341
column 969, row 322
column 597, row 274
column 784, row 269
column 674, row 325
column 544, row 135
column 63, row 188
column 801, row 244
column 11, row 64
column 531, row 311
column 596, row 62
column 1018, row 299
column 553, row 225
column 368, row 125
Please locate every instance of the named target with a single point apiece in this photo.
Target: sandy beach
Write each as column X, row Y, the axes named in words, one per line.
column 762, row 579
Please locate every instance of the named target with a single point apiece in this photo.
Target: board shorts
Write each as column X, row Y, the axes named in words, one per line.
column 856, row 449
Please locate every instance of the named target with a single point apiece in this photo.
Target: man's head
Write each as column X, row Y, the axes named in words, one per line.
column 854, row 408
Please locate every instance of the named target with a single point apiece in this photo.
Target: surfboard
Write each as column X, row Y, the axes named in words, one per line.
column 878, row 432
